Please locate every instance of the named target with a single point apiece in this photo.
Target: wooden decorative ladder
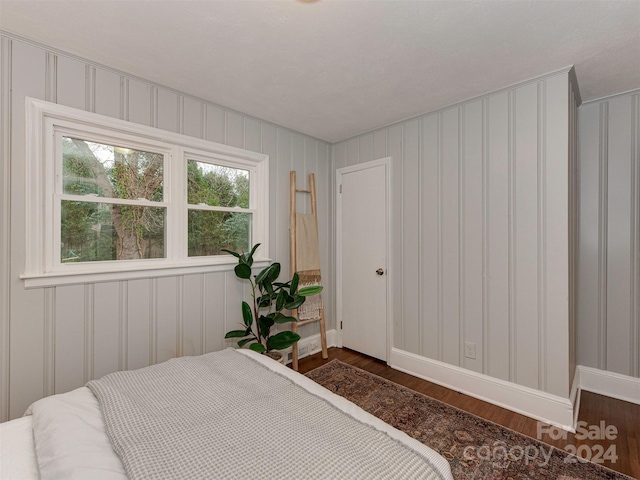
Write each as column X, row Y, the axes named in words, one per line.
column 293, row 226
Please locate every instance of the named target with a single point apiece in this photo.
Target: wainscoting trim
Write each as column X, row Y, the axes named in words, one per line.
column 546, row 407
column 610, row 384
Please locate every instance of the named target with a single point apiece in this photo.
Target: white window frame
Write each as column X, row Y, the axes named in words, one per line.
column 47, row 122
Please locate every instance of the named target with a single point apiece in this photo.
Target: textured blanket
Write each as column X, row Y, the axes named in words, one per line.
column 224, row 415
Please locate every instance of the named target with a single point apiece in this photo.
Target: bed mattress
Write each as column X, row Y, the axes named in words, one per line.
column 71, row 439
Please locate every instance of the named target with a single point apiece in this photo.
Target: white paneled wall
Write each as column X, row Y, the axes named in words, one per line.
column 60, row 337
column 608, row 330
column 481, row 225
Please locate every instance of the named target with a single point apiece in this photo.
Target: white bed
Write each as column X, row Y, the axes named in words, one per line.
column 70, row 438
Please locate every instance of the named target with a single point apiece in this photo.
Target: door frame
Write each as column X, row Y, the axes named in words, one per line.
column 387, row 163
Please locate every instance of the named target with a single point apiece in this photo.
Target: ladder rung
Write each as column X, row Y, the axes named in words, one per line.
column 304, row 322
column 303, row 191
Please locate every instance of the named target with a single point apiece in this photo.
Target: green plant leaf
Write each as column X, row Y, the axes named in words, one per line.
column 268, row 287
column 264, row 301
column 235, row 254
column 265, row 324
column 294, row 283
column 243, row 271
column 309, row 291
column 258, row 347
column 274, row 272
column 242, row 343
column 269, row 274
column 285, row 319
column 247, row 314
column 236, row 334
column 282, row 340
column 280, row 299
column 250, row 256
column 295, row 303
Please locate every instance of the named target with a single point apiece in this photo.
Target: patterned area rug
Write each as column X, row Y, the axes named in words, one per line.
column 475, row 448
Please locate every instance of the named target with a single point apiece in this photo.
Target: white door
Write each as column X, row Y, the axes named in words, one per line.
column 362, row 256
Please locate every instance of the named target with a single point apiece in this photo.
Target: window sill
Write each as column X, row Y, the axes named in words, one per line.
column 58, row 279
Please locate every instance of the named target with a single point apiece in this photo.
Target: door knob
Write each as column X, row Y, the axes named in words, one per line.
column 380, row 271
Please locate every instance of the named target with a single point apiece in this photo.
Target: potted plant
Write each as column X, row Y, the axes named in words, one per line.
column 270, row 298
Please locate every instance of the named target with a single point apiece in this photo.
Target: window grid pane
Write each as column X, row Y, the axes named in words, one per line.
column 210, row 232
column 90, row 168
column 217, row 185
column 94, row 232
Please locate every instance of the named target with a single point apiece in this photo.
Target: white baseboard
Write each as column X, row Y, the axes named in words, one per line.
column 610, row 384
column 575, row 395
column 548, row 408
column 305, row 345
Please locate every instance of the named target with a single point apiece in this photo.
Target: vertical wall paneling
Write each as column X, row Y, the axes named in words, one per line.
column 215, row 124
column 471, row 252
column 430, row 238
column 192, row 315
column 270, row 147
column 573, row 225
column 340, row 155
column 232, row 301
column 450, row 236
column 353, row 151
column 635, row 251
column 476, row 187
column 167, row 110
column 324, row 227
column 603, row 192
column 588, row 270
column 60, row 337
column 51, row 90
column 608, row 319
column 252, row 135
column 5, row 208
column 192, row 117
column 365, row 148
column 168, row 311
column 123, row 326
column 89, row 367
column 49, row 344
column 395, row 151
column 541, row 239
column 234, row 129
column 284, row 166
column 498, row 236
column 619, row 232
column 214, row 310
column 379, row 144
column 138, row 102
column 410, row 299
column 108, row 93
column 71, row 82
column 69, row 333
column 106, row 328
column 525, row 235
column 556, row 140
column 139, row 298
column 27, row 307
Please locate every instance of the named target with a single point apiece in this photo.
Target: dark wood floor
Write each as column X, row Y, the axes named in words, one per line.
column 594, row 409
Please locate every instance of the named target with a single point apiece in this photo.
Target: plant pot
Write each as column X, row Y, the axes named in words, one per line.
column 277, row 356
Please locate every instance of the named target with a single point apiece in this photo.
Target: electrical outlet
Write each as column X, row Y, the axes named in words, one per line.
column 470, row 350
column 313, row 346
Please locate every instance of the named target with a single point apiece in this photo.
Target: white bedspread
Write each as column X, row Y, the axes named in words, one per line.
column 70, row 434
column 17, row 454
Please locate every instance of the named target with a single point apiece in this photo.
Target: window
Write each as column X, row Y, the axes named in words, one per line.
column 108, row 199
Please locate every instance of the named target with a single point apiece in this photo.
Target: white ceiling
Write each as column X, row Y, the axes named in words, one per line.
column 336, row 68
